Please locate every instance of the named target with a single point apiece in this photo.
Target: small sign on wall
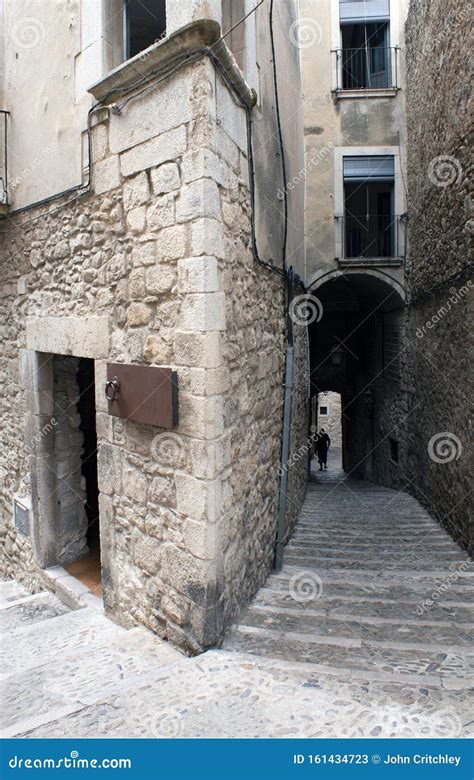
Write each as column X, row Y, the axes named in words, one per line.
column 21, row 515
column 145, row 394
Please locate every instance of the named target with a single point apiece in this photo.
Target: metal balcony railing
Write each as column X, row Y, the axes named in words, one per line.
column 371, row 236
column 367, row 68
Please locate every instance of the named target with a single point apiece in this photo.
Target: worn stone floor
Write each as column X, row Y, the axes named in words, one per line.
column 342, row 642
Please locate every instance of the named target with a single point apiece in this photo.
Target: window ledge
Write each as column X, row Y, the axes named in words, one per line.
column 369, row 262
column 199, row 36
column 351, row 94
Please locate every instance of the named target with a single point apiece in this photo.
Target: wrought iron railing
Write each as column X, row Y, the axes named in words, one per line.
column 367, row 68
column 371, row 236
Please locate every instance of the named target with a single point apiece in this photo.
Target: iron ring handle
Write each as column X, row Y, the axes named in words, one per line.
column 112, row 389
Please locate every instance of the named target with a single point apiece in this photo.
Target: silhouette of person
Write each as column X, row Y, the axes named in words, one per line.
column 322, row 446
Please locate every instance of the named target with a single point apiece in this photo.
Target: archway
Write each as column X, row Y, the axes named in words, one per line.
column 357, row 349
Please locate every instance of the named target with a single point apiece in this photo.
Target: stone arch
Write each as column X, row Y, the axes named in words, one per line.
column 322, row 278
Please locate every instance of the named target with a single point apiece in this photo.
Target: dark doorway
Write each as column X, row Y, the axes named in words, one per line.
column 88, row 569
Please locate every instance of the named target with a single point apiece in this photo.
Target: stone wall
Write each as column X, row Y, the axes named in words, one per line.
column 331, row 422
column 439, row 357
column 154, row 266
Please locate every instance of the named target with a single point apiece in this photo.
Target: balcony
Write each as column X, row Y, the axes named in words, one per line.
column 371, row 240
column 367, row 71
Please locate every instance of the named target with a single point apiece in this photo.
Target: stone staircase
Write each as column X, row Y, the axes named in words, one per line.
column 372, row 587
column 341, row 643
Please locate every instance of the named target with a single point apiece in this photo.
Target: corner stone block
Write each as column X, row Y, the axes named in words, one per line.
column 185, row 573
column 196, row 498
column 203, row 312
column 201, row 417
column 198, row 274
column 198, row 349
column 203, row 163
column 200, row 539
column 207, row 238
column 198, row 199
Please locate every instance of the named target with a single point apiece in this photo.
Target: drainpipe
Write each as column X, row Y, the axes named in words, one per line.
column 285, row 449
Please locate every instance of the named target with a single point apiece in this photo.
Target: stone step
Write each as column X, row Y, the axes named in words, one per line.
column 381, row 584
column 440, row 635
column 354, row 654
column 57, row 637
column 34, row 696
column 379, row 553
column 11, row 590
column 336, row 603
column 405, row 567
column 366, row 537
column 30, row 609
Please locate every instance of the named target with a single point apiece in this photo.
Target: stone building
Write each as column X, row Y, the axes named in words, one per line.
column 355, row 136
column 439, row 276
column 329, row 416
column 143, row 229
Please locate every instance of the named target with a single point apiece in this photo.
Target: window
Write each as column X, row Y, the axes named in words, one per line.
column 323, row 411
column 369, row 221
column 393, row 444
column 365, row 56
column 144, row 24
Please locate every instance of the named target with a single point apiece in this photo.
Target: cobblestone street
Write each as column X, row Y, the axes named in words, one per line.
column 342, row 642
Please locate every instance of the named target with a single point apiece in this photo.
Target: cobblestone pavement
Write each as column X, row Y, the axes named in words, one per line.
column 342, row 642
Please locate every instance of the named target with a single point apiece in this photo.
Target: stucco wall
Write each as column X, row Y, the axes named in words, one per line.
column 331, row 123
column 440, row 316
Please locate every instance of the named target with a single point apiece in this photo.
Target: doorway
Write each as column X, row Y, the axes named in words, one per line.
column 328, row 413
column 88, row 567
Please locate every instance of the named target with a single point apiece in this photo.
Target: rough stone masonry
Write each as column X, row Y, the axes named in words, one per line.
column 155, row 266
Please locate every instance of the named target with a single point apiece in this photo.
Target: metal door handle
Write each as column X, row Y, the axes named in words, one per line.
column 112, row 389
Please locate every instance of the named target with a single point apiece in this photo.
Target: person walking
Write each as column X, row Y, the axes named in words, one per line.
column 322, row 446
